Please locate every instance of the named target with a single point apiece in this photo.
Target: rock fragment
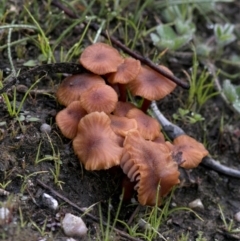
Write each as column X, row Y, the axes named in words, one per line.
column 73, row 226
column 197, row 203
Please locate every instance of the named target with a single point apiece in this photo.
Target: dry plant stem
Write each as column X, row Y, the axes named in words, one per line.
column 94, row 218
column 173, row 131
column 136, row 211
column 144, row 60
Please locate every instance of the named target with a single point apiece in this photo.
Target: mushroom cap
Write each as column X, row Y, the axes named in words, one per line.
column 148, row 127
column 188, row 152
column 68, row 119
column 160, row 138
column 99, row 98
column 96, row 145
column 122, row 125
column 150, row 164
column 122, row 108
column 73, row 86
column 151, row 85
column 101, row 58
column 126, row 72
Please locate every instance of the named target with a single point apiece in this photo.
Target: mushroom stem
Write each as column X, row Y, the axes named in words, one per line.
column 128, row 188
column 145, row 105
column 123, row 92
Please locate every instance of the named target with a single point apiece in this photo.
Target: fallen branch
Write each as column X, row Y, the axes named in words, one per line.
column 94, row 218
column 173, row 131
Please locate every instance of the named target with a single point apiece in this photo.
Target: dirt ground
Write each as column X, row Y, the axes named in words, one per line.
column 21, row 141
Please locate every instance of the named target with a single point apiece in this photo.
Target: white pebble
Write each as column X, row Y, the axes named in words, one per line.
column 237, row 217
column 4, row 214
column 73, row 226
column 196, row 204
column 45, row 128
column 49, row 201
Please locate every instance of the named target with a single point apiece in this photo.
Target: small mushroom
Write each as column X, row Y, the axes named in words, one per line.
column 68, row 119
column 126, row 72
column 99, row 98
column 160, row 138
column 96, row 144
column 151, row 85
column 122, row 108
column 150, row 165
column 122, row 125
column 148, row 127
column 188, row 152
column 101, row 58
column 73, row 86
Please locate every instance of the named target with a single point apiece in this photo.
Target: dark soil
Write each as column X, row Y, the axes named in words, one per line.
column 20, row 142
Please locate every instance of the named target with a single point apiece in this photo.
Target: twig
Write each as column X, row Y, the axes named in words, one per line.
column 173, row 131
column 133, row 215
column 123, row 47
column 94, row 218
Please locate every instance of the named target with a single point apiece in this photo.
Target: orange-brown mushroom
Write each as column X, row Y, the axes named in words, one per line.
column 73, row 86
column 160, row 138
column 99, row 98
column 151, row 85
column 96, row 144
column 101, row 58
column 188, row 152
column 148, row 127
column 68, row 119
column 150, row 164
column 122, row 125
column 122, row 108
column 126, row 72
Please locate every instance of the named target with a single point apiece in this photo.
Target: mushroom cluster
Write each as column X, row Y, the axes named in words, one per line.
column 108, row 131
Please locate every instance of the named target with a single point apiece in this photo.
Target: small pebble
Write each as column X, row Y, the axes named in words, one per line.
column 4, row 214
column 49, row 201
column 45, row 128
column 196, row 204
column 237, row 217
column 73, row 226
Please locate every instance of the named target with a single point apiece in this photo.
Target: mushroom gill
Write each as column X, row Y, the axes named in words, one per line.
column 150, row 164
